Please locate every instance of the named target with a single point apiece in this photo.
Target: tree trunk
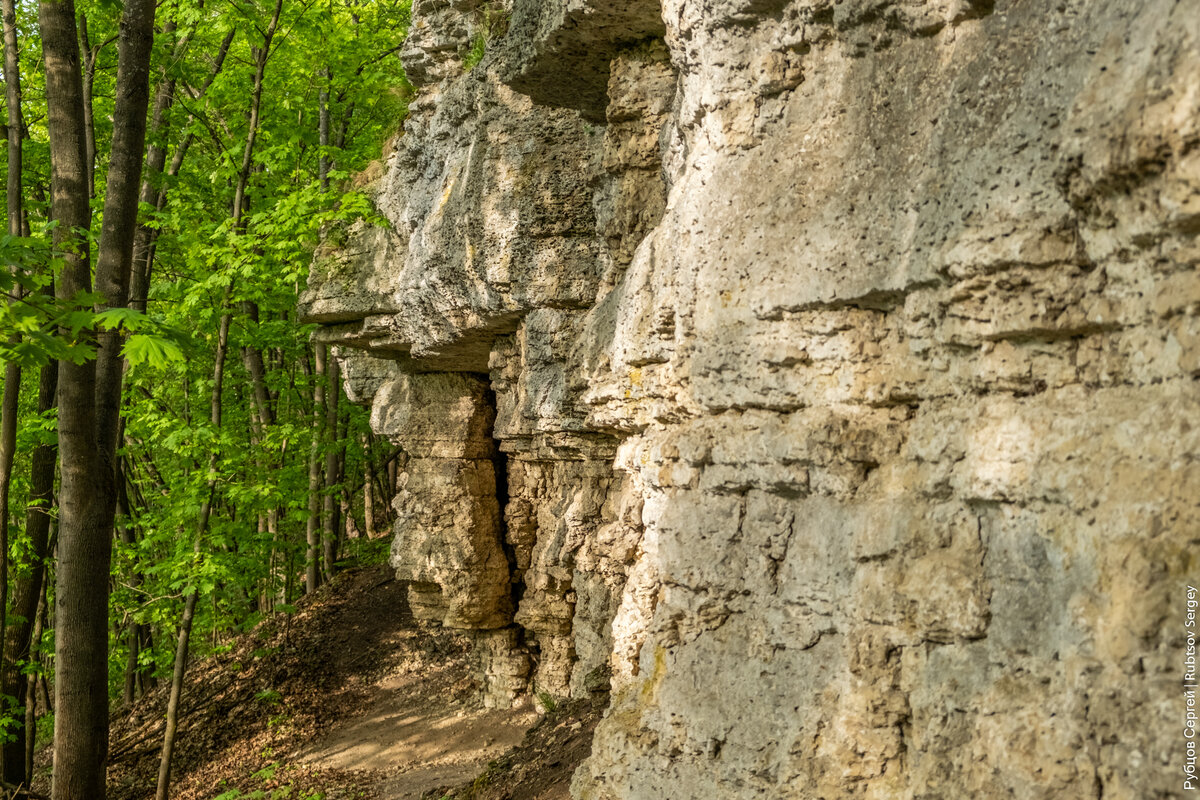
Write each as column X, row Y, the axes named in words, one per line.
column 156, row 159
column 29, row 591
column 129, row 689
column 181, row 654
column 189, row 607
column 120, row 216
column 8, row 448
column 368, row 491
column 30, row 738
column 9, row 404
column 146, row 682
column 89, row 125
column 275, row 577
column 323, row 132
column 146, row 237
column 333, row 391
column 311, row 568
column 88, row 401
column 81, row 616
column 16, row 124
column 136, row 581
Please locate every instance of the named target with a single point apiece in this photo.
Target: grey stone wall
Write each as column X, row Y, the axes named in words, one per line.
column 821, row 376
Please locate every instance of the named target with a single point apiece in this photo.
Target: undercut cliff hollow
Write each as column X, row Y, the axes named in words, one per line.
column 817, row 377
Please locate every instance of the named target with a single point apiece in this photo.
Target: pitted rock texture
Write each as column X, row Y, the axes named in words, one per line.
column 819, row 377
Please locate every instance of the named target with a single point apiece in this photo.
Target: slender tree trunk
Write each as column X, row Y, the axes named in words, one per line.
column 146, row 238
column 129, row 689
column 81, row 617
column 91, row 56
column 311, row 568
column 344, row 128
column 264, row 417
column 115, row 261
column 136, row 581
column 29, row 591
column 8, row 449
column 189, row 608
column 252, row 358
column 16, row 124
column 9, row 404
column 368, row 491
column 333, row 391
column 276, row 592
column 30, row 685
column 156, row 159
column 181, row 654
column 323, row 132
column 89, row 124
column 146, row 682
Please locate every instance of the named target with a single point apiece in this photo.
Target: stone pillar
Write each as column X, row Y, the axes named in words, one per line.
column 448, row 534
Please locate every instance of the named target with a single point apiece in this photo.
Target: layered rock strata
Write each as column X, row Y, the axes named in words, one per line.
column 819, row 376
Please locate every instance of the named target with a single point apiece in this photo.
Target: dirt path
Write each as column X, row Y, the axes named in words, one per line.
column 350, row 697
column 417, row 741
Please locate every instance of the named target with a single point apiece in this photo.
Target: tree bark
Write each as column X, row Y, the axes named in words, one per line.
column 89, row 125
column 252, row 359
column 120, row 217
column 16, row 124
column 9, row 404
column 333, row 391
column 81, row 616
column 146, row 237
column 181, row 654
column 88, row 411
column 8, row 448
column 30, row 682
column 156, row 159
column 323, row 132
column 146, row 682
column 368, row 490
column 189, row 607
column 135, row 630
column 315, row 482
column 29, row 591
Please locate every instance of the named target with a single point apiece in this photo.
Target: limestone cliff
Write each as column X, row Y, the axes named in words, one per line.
column 821, row 375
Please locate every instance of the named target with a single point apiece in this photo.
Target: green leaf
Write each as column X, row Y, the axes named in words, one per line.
column 113, row 318
column 157, row 351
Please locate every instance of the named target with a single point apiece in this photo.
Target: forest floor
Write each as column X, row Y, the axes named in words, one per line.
column 348, row 698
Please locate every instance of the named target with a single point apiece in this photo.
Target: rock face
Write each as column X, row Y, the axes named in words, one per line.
column 820, row 376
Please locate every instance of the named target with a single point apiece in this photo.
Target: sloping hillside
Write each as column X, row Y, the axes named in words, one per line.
column 349, row 697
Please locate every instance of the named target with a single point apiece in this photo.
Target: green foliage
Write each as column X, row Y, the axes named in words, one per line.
column 11, row 716
column 546, row 700
column 475, row 54
column 267, row 772
column 490, row 22
column 266, row 775
column 36, row 327
column 205, row 266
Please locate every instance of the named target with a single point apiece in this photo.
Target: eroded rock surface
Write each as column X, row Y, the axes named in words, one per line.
column 819, row 376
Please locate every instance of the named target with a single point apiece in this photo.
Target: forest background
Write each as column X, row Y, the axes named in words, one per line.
column 175, row 461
